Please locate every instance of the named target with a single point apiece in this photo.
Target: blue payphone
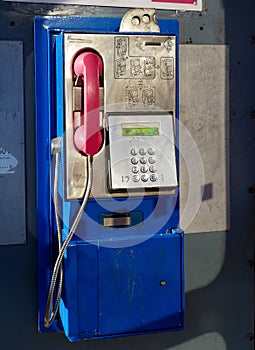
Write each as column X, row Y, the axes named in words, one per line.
column 110, row 250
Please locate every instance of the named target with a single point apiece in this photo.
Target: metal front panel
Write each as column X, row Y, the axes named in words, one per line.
column 139, row 77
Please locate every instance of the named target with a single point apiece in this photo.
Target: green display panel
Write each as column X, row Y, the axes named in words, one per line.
column 140, row 131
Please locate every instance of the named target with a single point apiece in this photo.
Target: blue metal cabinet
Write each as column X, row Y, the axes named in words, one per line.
column 110, row 288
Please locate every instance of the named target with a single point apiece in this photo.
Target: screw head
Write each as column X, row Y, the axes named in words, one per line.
column 163, row 283
column 55, row 145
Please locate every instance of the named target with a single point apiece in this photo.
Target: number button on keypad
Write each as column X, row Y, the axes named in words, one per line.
column 136, row 178
column 145, row 178
column 144, row 169
column 143, row 160
column 152, row 160
column 152, row 168
column 151, row 151
column 133, row 151
column 153, row 177
column 134, row 160
column 135, row 169
column 142, row 151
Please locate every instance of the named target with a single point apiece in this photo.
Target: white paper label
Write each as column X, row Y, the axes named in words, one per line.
column 8, row 162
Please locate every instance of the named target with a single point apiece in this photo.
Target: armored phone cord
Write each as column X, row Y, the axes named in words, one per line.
column 50, row 316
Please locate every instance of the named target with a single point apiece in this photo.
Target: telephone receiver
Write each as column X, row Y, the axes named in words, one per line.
column 87, row 136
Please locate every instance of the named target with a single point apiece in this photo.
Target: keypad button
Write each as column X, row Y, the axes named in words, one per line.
column 142, row 151
column 144, row 169
column 152, row 168
column 136, row 178
column 143, row 160
column 152, row 160
column 133, row 151
column 151, row 151
column 153, row 177
column 145, row 178
column 135, row 169
column 134, row 160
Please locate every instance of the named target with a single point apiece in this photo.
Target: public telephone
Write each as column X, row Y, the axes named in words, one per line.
column 112, row 118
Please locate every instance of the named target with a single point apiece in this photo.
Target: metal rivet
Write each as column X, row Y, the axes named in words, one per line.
column 136, row 21
column 146, row 19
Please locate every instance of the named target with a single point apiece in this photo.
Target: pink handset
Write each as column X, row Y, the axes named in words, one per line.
column 87, row 137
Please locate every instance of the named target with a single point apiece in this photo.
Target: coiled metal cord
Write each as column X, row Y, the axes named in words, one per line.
column 50, row 316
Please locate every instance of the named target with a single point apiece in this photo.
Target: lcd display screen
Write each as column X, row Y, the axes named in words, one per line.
column 136, row 131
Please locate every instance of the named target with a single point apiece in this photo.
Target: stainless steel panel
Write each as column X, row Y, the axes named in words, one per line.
column 204, row 139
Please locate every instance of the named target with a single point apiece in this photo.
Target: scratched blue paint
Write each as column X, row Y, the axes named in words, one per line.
column 140, row 288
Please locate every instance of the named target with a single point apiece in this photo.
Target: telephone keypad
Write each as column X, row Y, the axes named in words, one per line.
column 139, row 154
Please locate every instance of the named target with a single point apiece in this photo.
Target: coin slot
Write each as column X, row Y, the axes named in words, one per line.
column 152, row 43
column 118, row 220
